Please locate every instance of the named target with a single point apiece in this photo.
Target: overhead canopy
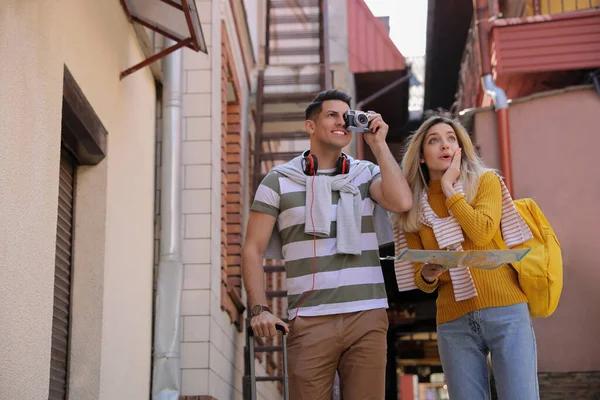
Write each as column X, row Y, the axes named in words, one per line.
column 392, row 105
column 370, row 48
column 377, row 64
column 177, row 20
column 448, row 23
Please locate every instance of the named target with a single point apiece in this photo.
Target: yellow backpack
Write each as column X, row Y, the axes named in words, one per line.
column 541, row 270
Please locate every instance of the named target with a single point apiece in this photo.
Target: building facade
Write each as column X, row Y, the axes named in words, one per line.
column 77, row 177
column 96, row 275
column 543, row 56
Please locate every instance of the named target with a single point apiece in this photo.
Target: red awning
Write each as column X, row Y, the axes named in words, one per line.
column 370, row 48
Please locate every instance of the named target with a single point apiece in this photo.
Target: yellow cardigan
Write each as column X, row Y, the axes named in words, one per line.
column 480, row 222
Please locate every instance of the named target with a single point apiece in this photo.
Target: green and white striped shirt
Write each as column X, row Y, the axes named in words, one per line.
column 343, row 283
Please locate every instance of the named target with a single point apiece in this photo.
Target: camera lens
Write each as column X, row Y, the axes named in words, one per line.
column 362, row 119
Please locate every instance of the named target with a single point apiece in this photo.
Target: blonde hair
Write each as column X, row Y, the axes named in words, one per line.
column 417, row 173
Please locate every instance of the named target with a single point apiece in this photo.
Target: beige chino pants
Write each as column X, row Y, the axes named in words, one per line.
column 353, row 343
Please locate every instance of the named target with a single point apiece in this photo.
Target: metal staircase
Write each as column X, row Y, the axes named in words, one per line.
column 297, row 67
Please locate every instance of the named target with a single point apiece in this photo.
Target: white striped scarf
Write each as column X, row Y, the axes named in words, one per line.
column 448, row 234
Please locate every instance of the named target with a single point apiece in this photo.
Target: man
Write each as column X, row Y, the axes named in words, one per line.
column 323, row 202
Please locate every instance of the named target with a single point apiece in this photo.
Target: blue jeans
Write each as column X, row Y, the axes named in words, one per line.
column 504, row 332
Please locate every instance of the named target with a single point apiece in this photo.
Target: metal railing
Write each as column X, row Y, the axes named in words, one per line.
column 268, row 32
column 560, row 6
column 324, row 45
column 528, row 8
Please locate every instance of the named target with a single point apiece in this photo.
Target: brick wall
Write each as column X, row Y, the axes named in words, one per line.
column 231, row 189
column 234, row 212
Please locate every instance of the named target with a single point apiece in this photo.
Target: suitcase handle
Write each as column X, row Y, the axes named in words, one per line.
column 252, row 377
column 280, row 328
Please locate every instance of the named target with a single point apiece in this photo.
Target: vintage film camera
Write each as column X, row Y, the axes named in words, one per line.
column 357, row 121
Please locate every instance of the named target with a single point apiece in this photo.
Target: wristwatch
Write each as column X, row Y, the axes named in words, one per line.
column 257, row 309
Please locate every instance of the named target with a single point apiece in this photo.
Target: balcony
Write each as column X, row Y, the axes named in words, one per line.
column 558, row 36
column 535, row 45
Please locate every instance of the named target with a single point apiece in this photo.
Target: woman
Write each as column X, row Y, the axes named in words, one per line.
column 459, row 205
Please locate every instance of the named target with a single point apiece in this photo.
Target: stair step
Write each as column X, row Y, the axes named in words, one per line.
column 277, row 80
column 298, row 11
column 269, row 378
column 294, row 51
column 290, row 19
column 267, row 349
column 277, row 35
column 294, row 61
column 281, row 156
column 288, row 116
column 283, row 136
column 298, row 97
column 274, row 268
column 295, row 27
column 294, row 3
column 276, row 293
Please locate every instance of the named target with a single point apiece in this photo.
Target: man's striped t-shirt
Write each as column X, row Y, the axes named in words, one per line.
column 343, row 283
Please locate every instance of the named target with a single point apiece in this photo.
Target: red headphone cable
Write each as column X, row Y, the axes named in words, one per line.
column 312, row 202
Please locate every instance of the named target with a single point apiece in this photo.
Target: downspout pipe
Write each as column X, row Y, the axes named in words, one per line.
column 166, row 374
column 497, row 94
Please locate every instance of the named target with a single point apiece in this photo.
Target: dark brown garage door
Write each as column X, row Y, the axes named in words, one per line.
column 59, row 365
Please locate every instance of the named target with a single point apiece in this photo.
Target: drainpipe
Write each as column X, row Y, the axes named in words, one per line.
column 359, row 106
column 166, row 374
column 498, row 96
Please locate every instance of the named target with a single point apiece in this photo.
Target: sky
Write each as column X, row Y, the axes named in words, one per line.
column 408, row 23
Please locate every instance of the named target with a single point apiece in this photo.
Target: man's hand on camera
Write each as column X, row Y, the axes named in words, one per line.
column 264, row 323
column 379, row 130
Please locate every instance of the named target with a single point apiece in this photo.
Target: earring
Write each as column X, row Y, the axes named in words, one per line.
column 422, row 161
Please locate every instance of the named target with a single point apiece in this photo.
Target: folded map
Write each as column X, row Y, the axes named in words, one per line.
column 485, row 259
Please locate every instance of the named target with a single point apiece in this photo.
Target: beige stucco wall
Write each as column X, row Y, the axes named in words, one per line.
column 31, row 82
column 112, row 289
column 553, row 158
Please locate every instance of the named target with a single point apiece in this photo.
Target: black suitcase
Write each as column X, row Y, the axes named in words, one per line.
column 250, row 377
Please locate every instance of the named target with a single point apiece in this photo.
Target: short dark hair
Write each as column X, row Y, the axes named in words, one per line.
column 316, row 106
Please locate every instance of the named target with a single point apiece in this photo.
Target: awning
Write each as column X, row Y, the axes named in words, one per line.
column 370, row 48
column 446, row 38
column 378, row 67
column 393, row 104
column 177, row 20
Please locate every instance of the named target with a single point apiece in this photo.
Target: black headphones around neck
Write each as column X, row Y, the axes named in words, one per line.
column 310, row 165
